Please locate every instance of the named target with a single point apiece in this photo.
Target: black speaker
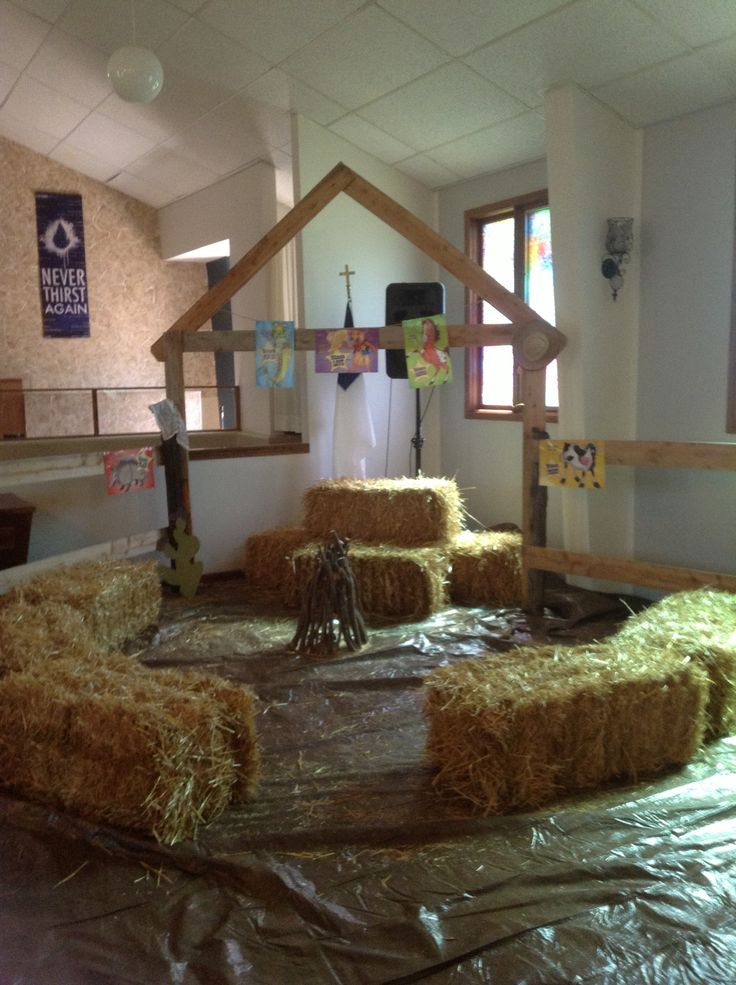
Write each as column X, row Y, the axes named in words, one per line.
column 404, row 301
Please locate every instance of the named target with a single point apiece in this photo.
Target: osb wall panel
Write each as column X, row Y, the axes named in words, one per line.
column 134, row 296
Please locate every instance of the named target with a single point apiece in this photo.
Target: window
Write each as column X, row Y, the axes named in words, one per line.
column 511, row 241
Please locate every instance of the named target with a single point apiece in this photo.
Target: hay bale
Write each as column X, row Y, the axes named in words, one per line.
column 393, row 582
column 516, row 730
column 268, row 560
column 31, row 633
column 403, row 512
column 698, row 625
column 121, row 744
column 116, row 598
column 485, row 568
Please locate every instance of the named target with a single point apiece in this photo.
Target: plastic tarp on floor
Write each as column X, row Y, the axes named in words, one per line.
column 349, row 868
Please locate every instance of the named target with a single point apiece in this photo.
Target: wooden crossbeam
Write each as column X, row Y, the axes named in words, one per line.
column 606, row 568
column 389, row 337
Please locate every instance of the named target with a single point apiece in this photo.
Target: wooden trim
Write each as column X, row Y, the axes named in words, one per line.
column 249, row 451
column 672, row 454
column 490, row 211
column 257, row 257
column 606, row 568
column 534, row 496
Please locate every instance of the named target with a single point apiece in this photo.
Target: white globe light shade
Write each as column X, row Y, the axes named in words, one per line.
column 136, row 74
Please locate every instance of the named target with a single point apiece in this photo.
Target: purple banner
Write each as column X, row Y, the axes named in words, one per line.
column 62, row 266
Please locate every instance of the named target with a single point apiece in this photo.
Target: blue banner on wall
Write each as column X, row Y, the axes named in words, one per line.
column 62, row 265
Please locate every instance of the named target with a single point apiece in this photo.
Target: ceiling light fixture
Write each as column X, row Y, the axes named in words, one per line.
column 136, row 74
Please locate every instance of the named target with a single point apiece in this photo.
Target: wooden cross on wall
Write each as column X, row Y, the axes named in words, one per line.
column 346, row 273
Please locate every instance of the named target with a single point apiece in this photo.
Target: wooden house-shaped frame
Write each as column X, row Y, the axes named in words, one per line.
column 535, row 342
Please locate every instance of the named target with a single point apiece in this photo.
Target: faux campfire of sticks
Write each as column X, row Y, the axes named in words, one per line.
column 330, row 606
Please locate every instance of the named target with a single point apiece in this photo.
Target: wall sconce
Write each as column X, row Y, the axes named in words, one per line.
column 619, row 240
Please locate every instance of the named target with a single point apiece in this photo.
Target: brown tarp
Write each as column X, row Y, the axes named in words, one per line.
column 349, row 868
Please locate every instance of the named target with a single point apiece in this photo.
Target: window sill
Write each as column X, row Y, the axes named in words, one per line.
column 500, row 414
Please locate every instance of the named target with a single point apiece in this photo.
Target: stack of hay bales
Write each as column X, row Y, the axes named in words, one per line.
column 86, row 728
column 516, row 730
column 400, row 532
column 697, row 625
column 162, row 752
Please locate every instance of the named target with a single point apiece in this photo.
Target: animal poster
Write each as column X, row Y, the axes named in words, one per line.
column 128, row 470
column 428, row 360
column 346, row 350
column 275, row 354
column 574, row 464
column 62, row 268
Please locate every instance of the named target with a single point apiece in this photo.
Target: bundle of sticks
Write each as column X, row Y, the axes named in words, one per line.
column 330, row 607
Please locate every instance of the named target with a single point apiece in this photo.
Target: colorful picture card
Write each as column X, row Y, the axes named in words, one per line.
column 275, row 354
column 427, row 351
column 574, row 464
column 346, row 350
column 128, row 470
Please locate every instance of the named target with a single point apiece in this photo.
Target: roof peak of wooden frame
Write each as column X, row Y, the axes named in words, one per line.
column 343, row 179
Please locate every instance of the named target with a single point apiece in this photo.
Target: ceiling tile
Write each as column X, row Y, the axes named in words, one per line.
column 276, row 28
column 107, row 24
column 48, row 10
column 291, row 95
column 166, row 169
column 369, row 138
column 191, row 6
column 428, row 172
column 51, row 111
column 143, row 191
column 8, row 77
column 501, row 146
column 446, row 104
column 102, row 137
column 696, row 23
column 220, row 142
column 721, row 57
column 365, row 56
column 21, row 34
column 25, row 133
column 71, row 67
column 673, row 89
column 589, row 42
column 203, row 53
column 462, row 25
column 83, row 162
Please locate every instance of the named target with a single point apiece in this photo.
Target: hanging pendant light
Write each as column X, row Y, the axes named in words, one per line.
column 136, row 74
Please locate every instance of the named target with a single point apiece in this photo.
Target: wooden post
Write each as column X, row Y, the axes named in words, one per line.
column 175, row 457
column 534, row 496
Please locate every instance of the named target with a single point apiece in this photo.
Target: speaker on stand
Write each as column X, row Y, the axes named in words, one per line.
column 405, row 301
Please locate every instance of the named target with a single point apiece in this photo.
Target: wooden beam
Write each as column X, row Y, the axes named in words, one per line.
column 439, row 249
column 672, row 454
column 534, row 496
column 605, row 568
column 174, row 456
column 258, row 256
column 389, row 337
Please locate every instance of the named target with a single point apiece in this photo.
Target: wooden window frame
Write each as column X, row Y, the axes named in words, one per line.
column 475, row 218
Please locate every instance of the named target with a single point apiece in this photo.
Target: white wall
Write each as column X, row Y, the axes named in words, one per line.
column 240, row 208
column 343, row 233
column 687, row 263
column 594, row 163
column 484, row 456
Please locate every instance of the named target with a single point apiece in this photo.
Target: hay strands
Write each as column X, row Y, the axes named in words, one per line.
column 330, row 607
